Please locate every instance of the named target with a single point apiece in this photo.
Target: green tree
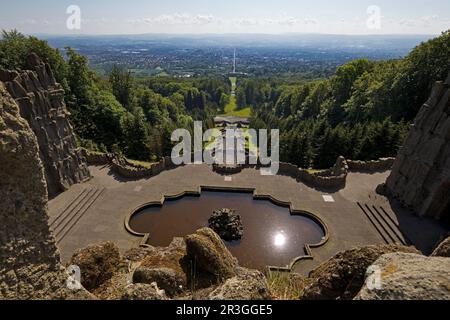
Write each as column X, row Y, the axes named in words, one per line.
column 136, row 135
column 121, row 84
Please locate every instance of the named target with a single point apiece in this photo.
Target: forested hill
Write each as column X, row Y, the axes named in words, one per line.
column 361, row 112
column 119, row 113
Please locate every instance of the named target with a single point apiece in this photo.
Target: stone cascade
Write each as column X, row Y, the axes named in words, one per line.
column 41, row 102
column 420, row 178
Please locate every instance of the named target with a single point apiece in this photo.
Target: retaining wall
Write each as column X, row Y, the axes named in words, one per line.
column 371, row 166
column 332, row 178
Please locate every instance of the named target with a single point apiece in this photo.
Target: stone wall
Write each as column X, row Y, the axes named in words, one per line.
column 382, row 164
column 41, row 103
column 126, row 169
column 29, row 261
column 420, row 177
column 96, row 158
column 334, row 177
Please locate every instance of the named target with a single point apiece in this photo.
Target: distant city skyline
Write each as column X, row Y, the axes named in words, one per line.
column 206, row 17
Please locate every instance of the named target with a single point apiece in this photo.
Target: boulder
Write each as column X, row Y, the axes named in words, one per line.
column 342, row 276
column 208, row 252
column 443, row 249
column 227, row 224
column 138, row 254
column 165, row 266
column 114, row 288
column 246, row 285
column 171, row 281
column 143, row 292
column 97, row 263
column 406, row 276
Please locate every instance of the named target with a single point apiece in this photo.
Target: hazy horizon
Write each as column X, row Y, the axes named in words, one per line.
column 202, row 17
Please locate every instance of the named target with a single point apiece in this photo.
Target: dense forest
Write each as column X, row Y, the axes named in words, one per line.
column 362, row 112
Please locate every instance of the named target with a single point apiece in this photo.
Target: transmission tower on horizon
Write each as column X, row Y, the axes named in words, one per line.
column 234, row 61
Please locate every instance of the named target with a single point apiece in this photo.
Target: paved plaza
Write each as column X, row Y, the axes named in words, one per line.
column 354, row 215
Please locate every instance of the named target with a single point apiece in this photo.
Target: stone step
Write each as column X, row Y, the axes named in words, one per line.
column 386, row 227
column 375, row 223
column 391, row 224
column 53, row 221
column 78, row 209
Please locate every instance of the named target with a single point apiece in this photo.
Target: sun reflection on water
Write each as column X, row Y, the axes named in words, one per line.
column 279, row 240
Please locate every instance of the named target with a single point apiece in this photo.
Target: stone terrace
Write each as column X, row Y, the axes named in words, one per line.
column 95, row 211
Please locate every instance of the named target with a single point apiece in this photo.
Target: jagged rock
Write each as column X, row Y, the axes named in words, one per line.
column 97, row 263
column 420, row 177
column 406, row 276
column 168, row 267
column 227, row 224
column 29, row 260
column 342, row 276
column 246, row 285
column 138, row 254
column 443, row 249
column 209, row 253
column 143, row 292
column 115, row 287
column 41, row 104
column 169, row 280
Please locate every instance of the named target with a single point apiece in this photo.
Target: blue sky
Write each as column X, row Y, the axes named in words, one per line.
column 231, row 16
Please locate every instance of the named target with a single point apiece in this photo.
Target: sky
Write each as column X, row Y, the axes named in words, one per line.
column 230, row 16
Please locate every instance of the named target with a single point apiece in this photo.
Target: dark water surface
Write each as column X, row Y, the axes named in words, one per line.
column 272, row 236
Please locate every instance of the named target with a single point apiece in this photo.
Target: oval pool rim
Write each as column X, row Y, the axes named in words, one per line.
column 307, row 247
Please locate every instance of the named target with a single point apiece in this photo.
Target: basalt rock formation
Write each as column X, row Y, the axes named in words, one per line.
column 209, row 253
column 97, row 263
column 197, row 267
column 343, row 275
column 406, row 276
column 420, row 177
column 41, row 102
column 30, row 267
column 227, row 224
column 443, row 249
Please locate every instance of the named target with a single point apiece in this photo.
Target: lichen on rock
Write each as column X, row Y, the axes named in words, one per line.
column 342, row 276
column 97, row 263
column 246, row 285
column 142, row 291
column 406, row 276
column 210, row 254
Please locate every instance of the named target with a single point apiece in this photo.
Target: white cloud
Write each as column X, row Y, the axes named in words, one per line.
column 206, row 19
column 246, row 22
column 311, row 21
column 423, row 21
column 177, row 19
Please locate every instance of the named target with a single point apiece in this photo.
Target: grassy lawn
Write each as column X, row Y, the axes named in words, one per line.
column 314, row 171
column 231, row 108
column 233, row 81
column 248, row 142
